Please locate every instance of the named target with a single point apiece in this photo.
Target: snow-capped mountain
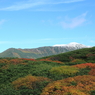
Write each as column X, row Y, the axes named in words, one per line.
column 42, row 51
column 72, row 45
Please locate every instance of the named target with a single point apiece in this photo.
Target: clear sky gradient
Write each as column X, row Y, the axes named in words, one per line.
column 37, row 23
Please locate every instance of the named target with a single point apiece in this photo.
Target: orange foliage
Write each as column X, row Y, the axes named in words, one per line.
column 91, row 65
column 92, row 72
column 28, row 59
column 16, row 61
column 83, row 84
column 4, row 61
column 47, row 59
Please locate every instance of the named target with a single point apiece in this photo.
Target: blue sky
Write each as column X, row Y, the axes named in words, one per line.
column 37, row 23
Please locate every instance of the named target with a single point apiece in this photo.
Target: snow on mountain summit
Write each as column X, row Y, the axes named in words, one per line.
column 72, row 44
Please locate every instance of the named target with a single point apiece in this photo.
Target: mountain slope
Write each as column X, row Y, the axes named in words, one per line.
column 41, row 51
column 85, row 54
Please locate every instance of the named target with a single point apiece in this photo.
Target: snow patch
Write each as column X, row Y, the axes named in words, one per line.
column 72, row 44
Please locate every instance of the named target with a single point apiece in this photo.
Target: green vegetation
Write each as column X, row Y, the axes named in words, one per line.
column 71, row 73
column 85, row 55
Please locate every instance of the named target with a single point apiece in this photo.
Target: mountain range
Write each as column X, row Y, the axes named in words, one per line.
column 42, row 51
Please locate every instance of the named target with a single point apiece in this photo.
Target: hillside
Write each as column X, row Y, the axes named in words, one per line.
column 41, row 51
column 86, row 54
column 71, row 73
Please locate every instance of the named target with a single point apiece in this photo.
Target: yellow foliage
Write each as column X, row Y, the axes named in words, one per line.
column 25, row 81
column 78, row 60
column 75, row 92
column 67, row 70
column 28, row 81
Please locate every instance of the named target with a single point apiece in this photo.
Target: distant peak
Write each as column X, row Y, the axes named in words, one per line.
column 72, row 44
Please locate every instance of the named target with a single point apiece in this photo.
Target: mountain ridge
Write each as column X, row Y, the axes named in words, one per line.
column 41, row 51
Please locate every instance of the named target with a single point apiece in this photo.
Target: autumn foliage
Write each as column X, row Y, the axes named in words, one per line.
column 92, row 72
column 71, row 73
column 91, row 65
column 48, row 59
column 14, row 60
column 28, row 81
column 78, row 60
column 64, row 70
column 79, row 85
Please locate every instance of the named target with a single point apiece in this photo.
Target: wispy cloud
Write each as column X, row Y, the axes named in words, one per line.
column 35, row 3
column 74, row 22
column 5, row 42
column 21, row 6
column 92, row 41
column 64, row 1
column 2, row 21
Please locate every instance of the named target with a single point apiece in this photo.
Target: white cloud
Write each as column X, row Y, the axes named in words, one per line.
column 34, row 3
column 74, row 22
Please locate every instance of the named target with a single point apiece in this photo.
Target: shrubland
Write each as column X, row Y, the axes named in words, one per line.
column 71, row 73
